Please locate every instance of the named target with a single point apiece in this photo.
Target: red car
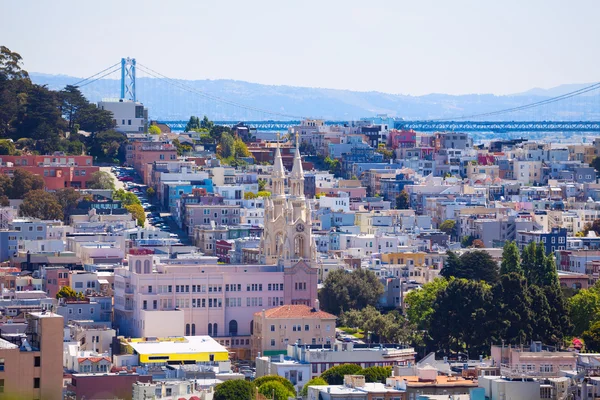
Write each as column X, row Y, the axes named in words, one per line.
column 126, row 179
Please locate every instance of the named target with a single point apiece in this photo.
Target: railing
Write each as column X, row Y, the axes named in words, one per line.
column 517, row 372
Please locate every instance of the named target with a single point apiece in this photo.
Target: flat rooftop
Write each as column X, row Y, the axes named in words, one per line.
column 177, row 345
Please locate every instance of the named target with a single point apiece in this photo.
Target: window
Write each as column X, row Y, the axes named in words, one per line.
column 1, row 364
column 306, row 327
column 272, row 342
column 37, row 361
column 36, row 383
column 272, row 328
column 1, row 385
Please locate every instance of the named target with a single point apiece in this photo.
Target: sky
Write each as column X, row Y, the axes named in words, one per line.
column 402, row 47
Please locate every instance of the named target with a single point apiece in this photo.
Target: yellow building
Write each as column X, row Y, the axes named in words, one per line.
column 176, row 350
column 406, row 258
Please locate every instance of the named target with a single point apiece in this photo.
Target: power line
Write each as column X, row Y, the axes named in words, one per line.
column 190, row 89
column 98, row 73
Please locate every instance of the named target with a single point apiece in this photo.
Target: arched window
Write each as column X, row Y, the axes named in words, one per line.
column 210, row 331
column 138, row 267
column 187, row 329
column 147, row 269
column 216, row 329
column 233, row 327
column 252, row 327
column 299, row 246
column 193, row 329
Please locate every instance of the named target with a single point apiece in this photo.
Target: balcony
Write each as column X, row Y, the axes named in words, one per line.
column 515, row 371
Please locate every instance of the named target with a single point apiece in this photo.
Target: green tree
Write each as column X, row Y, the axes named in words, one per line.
column 24, row 182
column 276, row 391
column 387, row 153
column 127, row 198
column 10, row 65
column 559, row 314
column 335, row 375
column 275, row 378
column 318, row 381
column 249, row 196
column 4, row 201
column 154, row 130
column 402, row 201
column 419, row 302
column 206, row 123
column 334, row 166
column 350, row 290
column 584, row 309
column 512, row 311
column 7, row 147
column 237, row 389
column 240, row 148
column 101, row 180
column 137, row 211
column 41, row 204
column 461, row 321
column 79, row 112
column 591, row 338
column 467, row 241
column 107, row 144
column 540, row 310
column 6, row 185
column 151, row 193
column 66, row 292
column 68, row 198
column 263, row 193
column 376, row 374
column 511, row 259
column 448, row 226
column 193, row 123
column 477, row 265
column 226, row 146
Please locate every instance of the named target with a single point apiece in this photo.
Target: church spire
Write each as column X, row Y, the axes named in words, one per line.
column 278, row 175
column 297, row 175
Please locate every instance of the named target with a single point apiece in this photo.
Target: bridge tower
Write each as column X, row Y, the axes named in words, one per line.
column 128, row 79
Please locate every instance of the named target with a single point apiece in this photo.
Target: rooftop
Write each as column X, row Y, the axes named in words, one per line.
column 176, row 345
column 295, row 311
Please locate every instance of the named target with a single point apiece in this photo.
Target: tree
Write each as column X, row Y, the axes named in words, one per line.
column 263, row 193
column 477, row 265
column 10, row 65
column 6, row 185
column 318, row 381
column 206, row 123
column 127, row 198
column 376, row 374
column 106, row 144
column 512, row 311
column 460, row 321
column 7, row 147
column 467, row 241
column 249, row 196
column 276, row 390
column 41, row 204
column 402, row 201
column 182, row 148
column 540, row 310
column 66, row 292
column 150, row 192
column 275, row 378
column 350, row 290
column 448, row 226
column 261, row 184
column 68, row 199
column 154, row 130
column 237, row 389
column 101, row 180
column 240, row 148
column 4, row 201
column 419, row 302
column 478, row 244
column 387, row 153
column 335, row 375
column 24, row 182
column 137, row 211
column 226, row 146
column 193, row 123
column 333, row 165
column 591, row 338
column 559, row 314
column 584, row 309
column 511, row 259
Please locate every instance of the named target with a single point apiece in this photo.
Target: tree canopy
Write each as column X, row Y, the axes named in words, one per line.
column 101, row 180
column 236, row 389
column 350, row 290
column 477, row 265
column 41, row 204
column 318, row 381
column 335, row 375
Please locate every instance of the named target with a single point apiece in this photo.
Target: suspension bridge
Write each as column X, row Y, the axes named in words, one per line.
column 138, row 82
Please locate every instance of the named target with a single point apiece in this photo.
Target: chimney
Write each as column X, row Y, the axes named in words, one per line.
column 317, row 304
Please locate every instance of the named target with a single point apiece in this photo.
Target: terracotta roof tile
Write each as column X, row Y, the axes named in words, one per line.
column 295, row 311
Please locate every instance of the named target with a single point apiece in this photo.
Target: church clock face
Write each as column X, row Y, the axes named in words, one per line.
column 299, row 228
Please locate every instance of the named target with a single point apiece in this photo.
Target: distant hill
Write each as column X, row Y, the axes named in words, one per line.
column 170, row 103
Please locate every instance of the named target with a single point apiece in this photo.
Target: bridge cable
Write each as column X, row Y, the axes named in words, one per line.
column 100, row 77
column 190, row 89
column 527, row 106
column 98, row 73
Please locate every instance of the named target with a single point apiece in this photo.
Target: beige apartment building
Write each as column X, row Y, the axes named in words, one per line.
column 31, row 358
column 277, row 327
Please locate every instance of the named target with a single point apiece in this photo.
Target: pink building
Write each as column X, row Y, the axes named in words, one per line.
column 59, row 171
column 354, row 193
column 402, row 139
column 532, row 361
column 56, row 278
column 142, row 153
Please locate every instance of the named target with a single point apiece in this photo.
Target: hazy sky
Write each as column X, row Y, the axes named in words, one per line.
column 396, row 46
